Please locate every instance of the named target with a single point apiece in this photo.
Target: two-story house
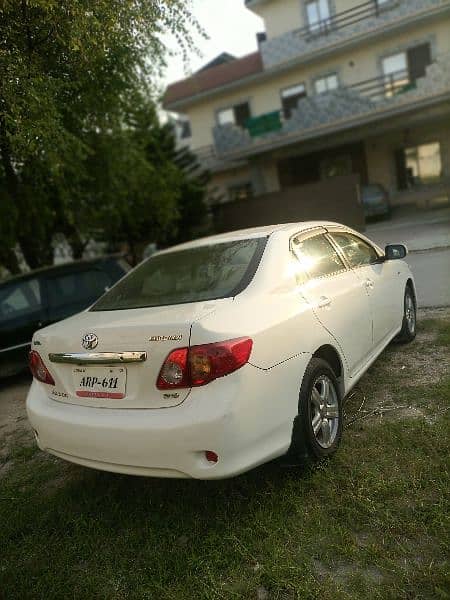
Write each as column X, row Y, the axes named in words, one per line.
column 336, row 87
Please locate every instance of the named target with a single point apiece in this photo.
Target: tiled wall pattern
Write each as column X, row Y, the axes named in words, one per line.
column 336, row 107
column 294, row 44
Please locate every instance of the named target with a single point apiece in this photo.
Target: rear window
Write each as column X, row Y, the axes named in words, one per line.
column 80, row 286
column 372, row 192
column 191, row 275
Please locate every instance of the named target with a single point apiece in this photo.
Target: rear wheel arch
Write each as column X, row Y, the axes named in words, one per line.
column 304, row 446
column 410, row 284
column 330, row 355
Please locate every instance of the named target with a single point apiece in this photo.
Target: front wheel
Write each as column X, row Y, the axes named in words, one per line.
column 409, row 322
column 318, row 426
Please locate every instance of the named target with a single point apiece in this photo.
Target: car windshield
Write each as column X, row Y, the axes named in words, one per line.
column 193, row 275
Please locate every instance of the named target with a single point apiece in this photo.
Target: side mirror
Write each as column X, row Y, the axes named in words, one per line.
column 395, row 251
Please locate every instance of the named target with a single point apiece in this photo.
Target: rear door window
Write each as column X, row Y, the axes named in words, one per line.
column 192, row 275
column 74, row 291
column 317, row 256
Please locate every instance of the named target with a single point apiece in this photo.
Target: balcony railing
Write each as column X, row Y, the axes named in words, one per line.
column 375, row 89
column 346, row 18
column 208, row 159
column 365, row 101
column 384, row 86
column 354, row 24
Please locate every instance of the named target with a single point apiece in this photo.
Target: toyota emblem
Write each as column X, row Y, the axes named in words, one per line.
column 89, row 341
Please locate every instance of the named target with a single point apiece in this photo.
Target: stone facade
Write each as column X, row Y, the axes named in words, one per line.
column 299, row 43
column 335, row 107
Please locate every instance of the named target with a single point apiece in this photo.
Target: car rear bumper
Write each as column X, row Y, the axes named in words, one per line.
column 243, row 429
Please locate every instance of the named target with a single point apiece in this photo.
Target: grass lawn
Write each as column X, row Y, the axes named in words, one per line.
column 371, row 523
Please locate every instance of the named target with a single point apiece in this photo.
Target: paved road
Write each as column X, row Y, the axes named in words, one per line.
column 427, row 236
column 418, row 229
column 431, row 270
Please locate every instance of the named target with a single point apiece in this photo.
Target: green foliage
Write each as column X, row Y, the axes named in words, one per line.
column 75, row 86
column 147, row 191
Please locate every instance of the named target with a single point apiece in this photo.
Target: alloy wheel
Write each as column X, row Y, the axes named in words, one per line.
column 410, row 312
column 324, row 411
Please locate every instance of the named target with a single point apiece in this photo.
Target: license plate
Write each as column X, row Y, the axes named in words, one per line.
column 100, row 382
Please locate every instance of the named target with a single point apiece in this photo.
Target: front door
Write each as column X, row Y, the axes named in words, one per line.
column 379, row 279
column 338, row 300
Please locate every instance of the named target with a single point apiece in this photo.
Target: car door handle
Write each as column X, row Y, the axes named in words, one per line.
column 369, row 284
column 324, row 301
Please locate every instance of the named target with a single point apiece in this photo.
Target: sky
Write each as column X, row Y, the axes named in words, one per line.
column 231, row 28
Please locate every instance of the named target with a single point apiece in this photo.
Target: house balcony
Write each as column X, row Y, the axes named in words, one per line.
column 347, row 28
column 363, row 103
column 209, row 160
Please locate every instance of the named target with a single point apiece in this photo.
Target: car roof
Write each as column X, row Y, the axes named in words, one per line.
column 253, row 232
column 64, row 267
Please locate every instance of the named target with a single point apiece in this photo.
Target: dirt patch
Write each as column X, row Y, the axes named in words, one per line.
column 341, row 573
column 14, row 425
column 390, row 387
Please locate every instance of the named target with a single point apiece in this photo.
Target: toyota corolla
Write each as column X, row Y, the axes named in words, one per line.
column 220, row 354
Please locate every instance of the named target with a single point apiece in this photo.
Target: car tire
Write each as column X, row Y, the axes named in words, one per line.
column 317, row 428
column 409, row 322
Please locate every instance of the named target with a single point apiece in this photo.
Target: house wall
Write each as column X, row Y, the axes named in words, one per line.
column 352, row 67
column 380, row 151
column 282, row 16
column 373, row 160
column 279, row 20
column 220, row 182
column 301, row 203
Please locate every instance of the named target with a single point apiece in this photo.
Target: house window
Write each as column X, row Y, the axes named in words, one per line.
column 405, row 68
column 185, row 130
column 236, row 115
column 326, row 84
column 226, row 116
column 318, row 14
column 419, row 57
column 422, row 164
column 290, row 97
column 242, row 191
column 418, row 165
column 395, row 71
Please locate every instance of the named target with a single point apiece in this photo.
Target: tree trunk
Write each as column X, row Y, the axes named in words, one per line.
column 74, row 239
column 8, row 256
column 9, row 260
column 35, row 254
column 12, row 181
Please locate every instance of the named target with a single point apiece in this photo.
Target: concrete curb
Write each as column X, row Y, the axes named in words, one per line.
column 437, row 248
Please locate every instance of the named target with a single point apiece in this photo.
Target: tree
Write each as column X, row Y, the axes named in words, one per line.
column 70, row 73
column 145, row 190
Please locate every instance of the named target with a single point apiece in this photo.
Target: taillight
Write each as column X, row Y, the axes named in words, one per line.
column 198, row 365
column 38, row 369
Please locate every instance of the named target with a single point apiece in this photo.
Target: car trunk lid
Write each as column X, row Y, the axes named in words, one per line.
column 101, row 375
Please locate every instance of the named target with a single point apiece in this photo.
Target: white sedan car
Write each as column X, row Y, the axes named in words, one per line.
column 220, row 354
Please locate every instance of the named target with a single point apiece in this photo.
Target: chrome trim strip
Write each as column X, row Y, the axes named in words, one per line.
column 16, row 346
column 98, row 358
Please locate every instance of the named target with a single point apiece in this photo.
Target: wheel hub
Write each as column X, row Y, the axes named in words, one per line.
column 324, row 411
column 410, row 313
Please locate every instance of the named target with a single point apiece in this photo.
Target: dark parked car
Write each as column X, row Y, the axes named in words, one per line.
column 29, row 302
column 375, row 201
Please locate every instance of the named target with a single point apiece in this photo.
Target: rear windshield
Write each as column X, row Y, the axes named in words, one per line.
column 191, row 275
column 372, row 192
